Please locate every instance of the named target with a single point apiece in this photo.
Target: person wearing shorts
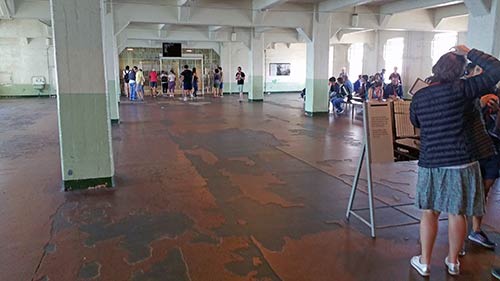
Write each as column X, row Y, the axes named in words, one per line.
column 187, row 82
column 139, row 77
column 153, row 82
column 217, row 82
column 126, row 85
column 240, row 80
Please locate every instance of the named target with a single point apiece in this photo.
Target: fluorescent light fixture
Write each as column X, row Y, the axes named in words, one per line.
column 130, row 49
column 189, row 51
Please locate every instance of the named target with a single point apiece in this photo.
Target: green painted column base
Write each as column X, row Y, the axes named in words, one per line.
column 255, row 100
column 311, row 114
column 70, row 185
column 115, row 121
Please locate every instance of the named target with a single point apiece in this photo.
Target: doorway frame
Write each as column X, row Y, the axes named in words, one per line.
column 190, row 57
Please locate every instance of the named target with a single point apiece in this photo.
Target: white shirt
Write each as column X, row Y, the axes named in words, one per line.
column 171, row 77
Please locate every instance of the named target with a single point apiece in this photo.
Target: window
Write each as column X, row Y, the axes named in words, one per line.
column 355, row 57
column 393, row 55
column 441, row 44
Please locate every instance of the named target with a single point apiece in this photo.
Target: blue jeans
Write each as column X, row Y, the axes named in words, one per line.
column 133, row 91
column 337, row 103
column 195, row 89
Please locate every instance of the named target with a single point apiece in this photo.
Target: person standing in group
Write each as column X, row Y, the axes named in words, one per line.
column 140, row 84
column 164, row 82
column 195, row 83
column 153, row 82
column 221, row 86
column 449, row 177
column 126, row 81
column 171, row 83
column 132, row 84
column 187, row 82
column 485, row 153
column 382, row 75
column 396, row 75
column 240, row 80
column 217, row 81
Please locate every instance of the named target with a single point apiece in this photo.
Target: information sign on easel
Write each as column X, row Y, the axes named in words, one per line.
column 377, row 148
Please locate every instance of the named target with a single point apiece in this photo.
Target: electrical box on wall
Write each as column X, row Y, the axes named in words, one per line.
column 354, row 20
column 233, row 36
column 38, row 81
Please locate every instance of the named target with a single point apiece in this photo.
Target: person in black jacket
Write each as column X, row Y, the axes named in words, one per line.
column 449, row 177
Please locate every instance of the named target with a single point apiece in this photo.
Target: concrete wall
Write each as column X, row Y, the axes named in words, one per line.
column 237, row 54
column 295, row 54
column 25, row 51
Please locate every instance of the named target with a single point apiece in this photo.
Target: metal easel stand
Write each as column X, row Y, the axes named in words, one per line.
column 365, row 155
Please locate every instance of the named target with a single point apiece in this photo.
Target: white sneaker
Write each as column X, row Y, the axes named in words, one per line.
column 185, row 99
column 422, row 268
column 453, row 268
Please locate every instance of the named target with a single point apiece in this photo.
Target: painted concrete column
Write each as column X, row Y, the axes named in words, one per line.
column 110, row 50
column 256, row 68
column 484, row 26
column 317, row 66
column 84, row 124
column 225, row 63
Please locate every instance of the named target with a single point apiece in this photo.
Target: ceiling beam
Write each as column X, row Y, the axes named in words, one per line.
column 213, row 30
column 439, row 14
column 332, row 5
column 405, row 5
column 478, row 7
column 183, row 10
column 262, row 5
column 6, row 9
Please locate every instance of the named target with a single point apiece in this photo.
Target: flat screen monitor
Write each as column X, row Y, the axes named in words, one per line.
column 172, row 50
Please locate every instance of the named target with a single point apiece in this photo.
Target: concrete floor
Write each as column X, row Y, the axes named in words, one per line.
column 212, row 190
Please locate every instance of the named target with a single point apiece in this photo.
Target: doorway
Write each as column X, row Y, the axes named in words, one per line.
column 177, row 65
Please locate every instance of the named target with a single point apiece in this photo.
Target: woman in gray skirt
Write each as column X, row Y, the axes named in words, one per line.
column 449, row 178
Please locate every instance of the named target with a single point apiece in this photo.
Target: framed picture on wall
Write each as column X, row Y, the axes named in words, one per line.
column 279, row 69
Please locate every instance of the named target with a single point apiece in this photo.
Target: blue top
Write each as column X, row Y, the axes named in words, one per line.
column 357, row 85
column 391, row 90
column 349, row 85
column 131, row 75
column 439, row 110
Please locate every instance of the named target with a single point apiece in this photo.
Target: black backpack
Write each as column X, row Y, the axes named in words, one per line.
column 125, row 76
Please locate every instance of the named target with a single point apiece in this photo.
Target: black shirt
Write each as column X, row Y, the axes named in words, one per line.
column 241, row 81
column 188, row 76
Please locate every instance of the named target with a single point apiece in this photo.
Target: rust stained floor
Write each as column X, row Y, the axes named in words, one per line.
column 213, row 190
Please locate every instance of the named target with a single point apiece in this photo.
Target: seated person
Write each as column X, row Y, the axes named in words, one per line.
column 339, row 94
column 357, row 84
column 376, row 91
column 362, row 92
column 393, row 90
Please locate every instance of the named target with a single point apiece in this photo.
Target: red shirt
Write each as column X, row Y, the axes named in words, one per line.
column 153, row 76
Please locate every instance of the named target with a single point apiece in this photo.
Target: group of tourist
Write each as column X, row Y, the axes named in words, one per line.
column 369, row 88
column 458, row 122
column 134, row 83
column 134, row 80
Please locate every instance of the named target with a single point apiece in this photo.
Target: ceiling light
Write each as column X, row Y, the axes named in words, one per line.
column 130, row 49
column 189, row 51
